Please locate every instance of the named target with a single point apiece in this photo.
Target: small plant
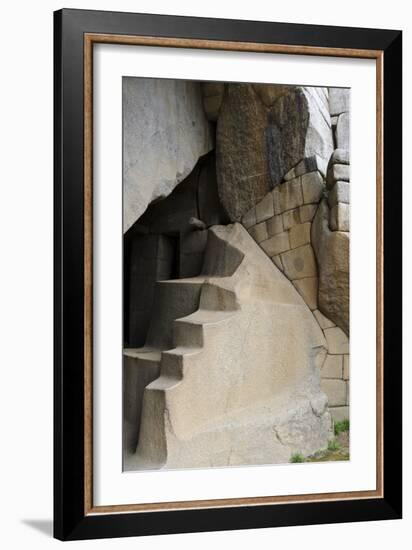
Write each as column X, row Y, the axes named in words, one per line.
column 333, row 445
column 341, row 426
column 296, row 457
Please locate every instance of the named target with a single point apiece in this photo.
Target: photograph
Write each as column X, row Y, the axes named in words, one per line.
column 236, row 294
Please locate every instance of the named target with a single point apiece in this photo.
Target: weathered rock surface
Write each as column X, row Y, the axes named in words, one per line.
column 339, row 100
column 269, row 93
column 260, row 398
column 241, row 156
column 299, row 126
column 212, row 98
column 165, row 133
column 342, row 131
column 332, row 254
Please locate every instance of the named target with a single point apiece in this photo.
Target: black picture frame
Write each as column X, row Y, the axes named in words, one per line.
column 71, row 522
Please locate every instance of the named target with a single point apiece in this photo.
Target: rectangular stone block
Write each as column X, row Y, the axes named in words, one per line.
column 339, row 193
column 335, row 390
column 339, row 217
column 338, row 342
column 274, row 225
column 290, row 218
column 308, row 289
column 278, row 262
column 337, row 172
column 339, row 413
column 290, row 195
column 342, row 131
column 323, row 321
column 307, row 212
column 264, row 208
column 299, row 234
column 340, row 156
column 346, row 367
column 312, row 187
column 332, row 367
column 249, row 218
column 347, row 393
column 290, row 175
column 276, row 200
column 339, row 100
column 259, row 232
column 300, row 262
column 276, row 244
column 311, row 164
column 341, row 172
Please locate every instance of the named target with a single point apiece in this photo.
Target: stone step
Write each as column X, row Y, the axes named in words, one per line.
column 140, row 367
column 173, row 364
column 144, row 356
column 173, row 299
column 190, row 330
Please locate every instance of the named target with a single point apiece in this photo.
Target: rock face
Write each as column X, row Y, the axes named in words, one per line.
column 212, row 93
column 299, row 127
column 241, row 155
column 255, row 350
column 165, row 133
column 332, row 253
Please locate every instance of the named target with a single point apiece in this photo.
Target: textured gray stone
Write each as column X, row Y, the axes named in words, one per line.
column 269, row 93
column 259, row 232
column 278, row 262
column 300, row 262
column 165, row 133
column 241, row 156
column 311, row 164
column 297, row 128
column 266, row 403
column 290, row 218
column 323, row 321
column 339, row 100
column 339, row 217
column 340, row 156
column 339, row 193
column 212, row 98
column 335, row 390
column 307, row 212
column 339, row 413
column 337, row 172
column 342, row 131
column 276, row 244
column 338, row 342
column 346, row 367
column 290, row 195
column 264, row 208
column 249, row 218
column 308, row 289
column 332, row 367
column 274, row 225
column 332, row 254
column 312, row 187
column 299, row 235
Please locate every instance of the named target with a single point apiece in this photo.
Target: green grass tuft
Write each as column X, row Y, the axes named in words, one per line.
column 333, row 445
column 296, row 457
column 341, row 426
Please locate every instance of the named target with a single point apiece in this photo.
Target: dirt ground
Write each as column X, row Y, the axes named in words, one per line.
column 342, row 453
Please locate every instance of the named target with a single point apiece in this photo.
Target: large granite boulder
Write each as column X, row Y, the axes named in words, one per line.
column 299, row 127
column 241, row 155
column 165, row 133
column 332, row 254
column 241, row 383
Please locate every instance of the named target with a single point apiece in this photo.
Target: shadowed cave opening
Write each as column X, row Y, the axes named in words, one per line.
column 166, row 243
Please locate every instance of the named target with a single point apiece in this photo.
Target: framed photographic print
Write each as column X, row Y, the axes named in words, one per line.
column 227, row 274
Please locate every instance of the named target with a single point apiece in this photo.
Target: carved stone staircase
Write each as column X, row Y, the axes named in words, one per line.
column 229, row 373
